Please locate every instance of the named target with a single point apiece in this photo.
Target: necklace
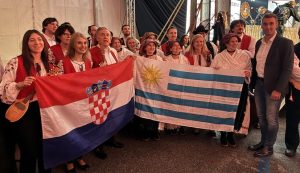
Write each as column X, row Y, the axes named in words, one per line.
column 79, row 64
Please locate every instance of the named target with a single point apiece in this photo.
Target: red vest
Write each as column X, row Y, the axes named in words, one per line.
column 57, row 52
column 165, row 47
column 69, row 68
column 245, row 42
column 190, row 58
column 97, row 57
column 20, row 76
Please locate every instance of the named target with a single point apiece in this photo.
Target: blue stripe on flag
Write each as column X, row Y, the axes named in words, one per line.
column 84, row 139
column 206, row 77
column 204, row 91
column 183, row 115
column 185, row 102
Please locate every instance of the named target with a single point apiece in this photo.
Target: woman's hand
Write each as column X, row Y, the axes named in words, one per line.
column 26, row 82
column 247, row 73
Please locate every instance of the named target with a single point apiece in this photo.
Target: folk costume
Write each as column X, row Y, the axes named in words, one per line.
column 239, row 60
column 27, row 132
column 107, row 57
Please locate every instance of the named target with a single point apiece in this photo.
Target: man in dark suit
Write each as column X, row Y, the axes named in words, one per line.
column 272, row 68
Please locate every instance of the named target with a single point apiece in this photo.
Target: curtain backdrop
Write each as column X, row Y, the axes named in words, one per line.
column 151, row 15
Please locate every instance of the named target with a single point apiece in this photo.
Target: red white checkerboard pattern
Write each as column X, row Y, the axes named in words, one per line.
column 99, row 105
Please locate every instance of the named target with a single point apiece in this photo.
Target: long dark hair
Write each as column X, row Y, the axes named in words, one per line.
column 26, row 52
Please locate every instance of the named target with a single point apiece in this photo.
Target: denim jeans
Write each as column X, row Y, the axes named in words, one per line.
column 267, row 112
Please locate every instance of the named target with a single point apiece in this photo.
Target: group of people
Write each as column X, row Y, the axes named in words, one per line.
column 268, row 64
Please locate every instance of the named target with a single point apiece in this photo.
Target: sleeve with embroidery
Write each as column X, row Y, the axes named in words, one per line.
column 8, row 90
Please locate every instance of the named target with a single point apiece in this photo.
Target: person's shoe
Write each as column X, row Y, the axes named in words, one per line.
column 70, row 168
column 256, row 147
column 181, row 131
column 81, row 164
column 231, row 140
column 155, row 137
column 266, row 151
column 196, row 131
column 223, row 139
column 99, row 152
column 290, row 152
column 211, row 133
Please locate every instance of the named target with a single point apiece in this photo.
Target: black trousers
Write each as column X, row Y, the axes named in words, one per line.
column 7, row 143
column 292, row 119
column 240, row 114
column 27, row 133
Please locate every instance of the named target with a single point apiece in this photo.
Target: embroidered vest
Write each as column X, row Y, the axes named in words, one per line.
column 97, row 56
column 69, row 68
column 245, row 42
column 20, row 76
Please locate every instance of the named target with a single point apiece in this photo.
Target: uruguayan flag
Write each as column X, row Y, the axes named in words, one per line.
column 187, row 95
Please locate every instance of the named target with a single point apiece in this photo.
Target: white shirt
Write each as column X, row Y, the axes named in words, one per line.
column 79, row 66
column 251, row 48
column 296, row 69
column 124, row 53
column 109, row 57
column 262, row 54
column 51, row 41
column 239, row 60
column 8, row 89
column 181, row 60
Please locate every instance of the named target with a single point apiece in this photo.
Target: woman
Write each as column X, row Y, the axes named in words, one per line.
column 132, row 45
column 149, row 49
column 77, row 61
column 234, row 59
column 184, row 42
column 62, row 36
column 178, row 58
column 198, row 54
column 122, row 52
column 150, row 128
column 17, row 81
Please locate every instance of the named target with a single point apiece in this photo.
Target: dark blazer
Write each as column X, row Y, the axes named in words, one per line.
column 278, row 66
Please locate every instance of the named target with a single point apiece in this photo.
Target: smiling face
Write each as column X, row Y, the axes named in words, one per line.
column 176, row 49
column 150, row 49
column 198, row 43
column 232, row 44
column 238, row 28
column 80, row 45
column 35, row 43
column 131, row 44
column 116, row 44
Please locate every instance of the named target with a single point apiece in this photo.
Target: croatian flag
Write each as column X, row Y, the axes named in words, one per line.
column 82, row 110
column 186, row 95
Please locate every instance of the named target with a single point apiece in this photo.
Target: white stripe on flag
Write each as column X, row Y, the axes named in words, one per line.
column 77, row 114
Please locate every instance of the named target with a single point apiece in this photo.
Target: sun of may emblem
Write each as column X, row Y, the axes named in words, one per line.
column 151, row 75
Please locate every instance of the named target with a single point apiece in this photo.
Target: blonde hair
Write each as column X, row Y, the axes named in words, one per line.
column 204, row 50
column 71, row 49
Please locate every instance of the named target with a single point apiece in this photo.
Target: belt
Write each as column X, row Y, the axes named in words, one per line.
column 260, row 78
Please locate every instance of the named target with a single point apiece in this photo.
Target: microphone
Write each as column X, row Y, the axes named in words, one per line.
column 275, row 2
